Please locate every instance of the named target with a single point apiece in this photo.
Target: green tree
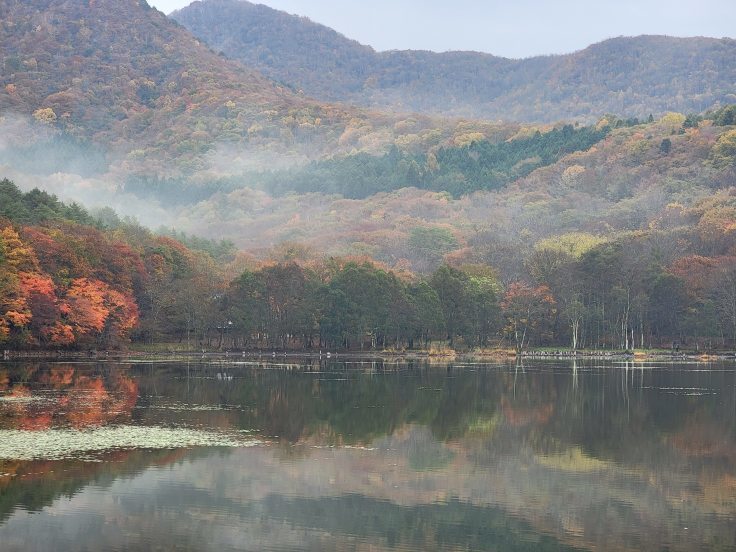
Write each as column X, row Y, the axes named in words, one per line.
column 665, row 146
column 428, row 320
column 453, row 290
column 431, row 244
column 725, row 116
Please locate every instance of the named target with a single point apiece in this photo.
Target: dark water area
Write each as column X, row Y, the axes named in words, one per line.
column 367, row 456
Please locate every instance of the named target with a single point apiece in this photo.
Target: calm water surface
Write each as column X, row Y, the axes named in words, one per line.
column 367, row 456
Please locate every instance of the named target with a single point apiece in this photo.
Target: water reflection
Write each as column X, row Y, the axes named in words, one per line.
column 34, row 396
column 407, row 456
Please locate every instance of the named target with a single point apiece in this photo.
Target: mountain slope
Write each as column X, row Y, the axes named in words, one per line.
column 118, row 72
column 121, row 75
column 636, row 179
column 628, row 76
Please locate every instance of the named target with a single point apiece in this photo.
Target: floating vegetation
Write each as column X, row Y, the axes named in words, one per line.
column 16, row 399
column 22, row 399
column 181, row 407
column 342, row 447
column 685, row 391
column 573, row 460
column 60, row 444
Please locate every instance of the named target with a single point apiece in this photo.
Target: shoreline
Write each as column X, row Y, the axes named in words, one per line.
column 446, row 356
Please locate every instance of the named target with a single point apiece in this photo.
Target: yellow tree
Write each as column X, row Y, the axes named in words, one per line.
column 15, row 258
column 723, row 155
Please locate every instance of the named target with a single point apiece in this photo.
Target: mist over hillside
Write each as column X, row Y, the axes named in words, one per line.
column 113, row 104
column 634, row 76
column 638, row 180
column 98, row 96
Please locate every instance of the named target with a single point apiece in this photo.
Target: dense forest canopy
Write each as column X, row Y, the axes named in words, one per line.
column 479, row 165
column 74, row 278
column 633, row 179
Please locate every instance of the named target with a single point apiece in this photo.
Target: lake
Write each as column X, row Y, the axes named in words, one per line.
column 339, row 455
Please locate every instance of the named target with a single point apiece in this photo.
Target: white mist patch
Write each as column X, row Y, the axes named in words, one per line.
column 228, row 160
column 93, row 193
column 60, row 444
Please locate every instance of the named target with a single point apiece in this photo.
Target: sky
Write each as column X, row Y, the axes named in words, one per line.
column 509, row 28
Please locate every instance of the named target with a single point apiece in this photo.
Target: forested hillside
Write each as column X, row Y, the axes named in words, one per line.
column 67, row 279
column 458, row 169
column 625, row 182
column 121, row 80
column 71, row 279
column 630, row 243
column 355, row 229
column 629, row 76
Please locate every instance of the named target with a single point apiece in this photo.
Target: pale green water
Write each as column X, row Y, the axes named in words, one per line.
column 367, row 456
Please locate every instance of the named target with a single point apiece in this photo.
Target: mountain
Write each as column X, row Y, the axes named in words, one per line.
column 122, row 76
column 628, row 76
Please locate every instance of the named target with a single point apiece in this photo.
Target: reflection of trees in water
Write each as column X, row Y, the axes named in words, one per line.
column 640, row 420
column 454, row 525
column 32, row 485
column 605, row 411
column 621, row 415
column 336, row 405
column 40, row 396
column 613, row 452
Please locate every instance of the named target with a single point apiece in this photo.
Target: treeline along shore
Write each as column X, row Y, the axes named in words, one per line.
column 74, row 280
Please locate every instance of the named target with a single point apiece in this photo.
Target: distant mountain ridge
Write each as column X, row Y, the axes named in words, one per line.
column 628, row 76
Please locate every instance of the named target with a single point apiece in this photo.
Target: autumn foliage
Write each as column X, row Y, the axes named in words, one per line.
column 84, row 311
column 65, row 284
column 75, row 284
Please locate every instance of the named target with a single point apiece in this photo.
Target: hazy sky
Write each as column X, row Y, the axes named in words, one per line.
column 511, row 28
